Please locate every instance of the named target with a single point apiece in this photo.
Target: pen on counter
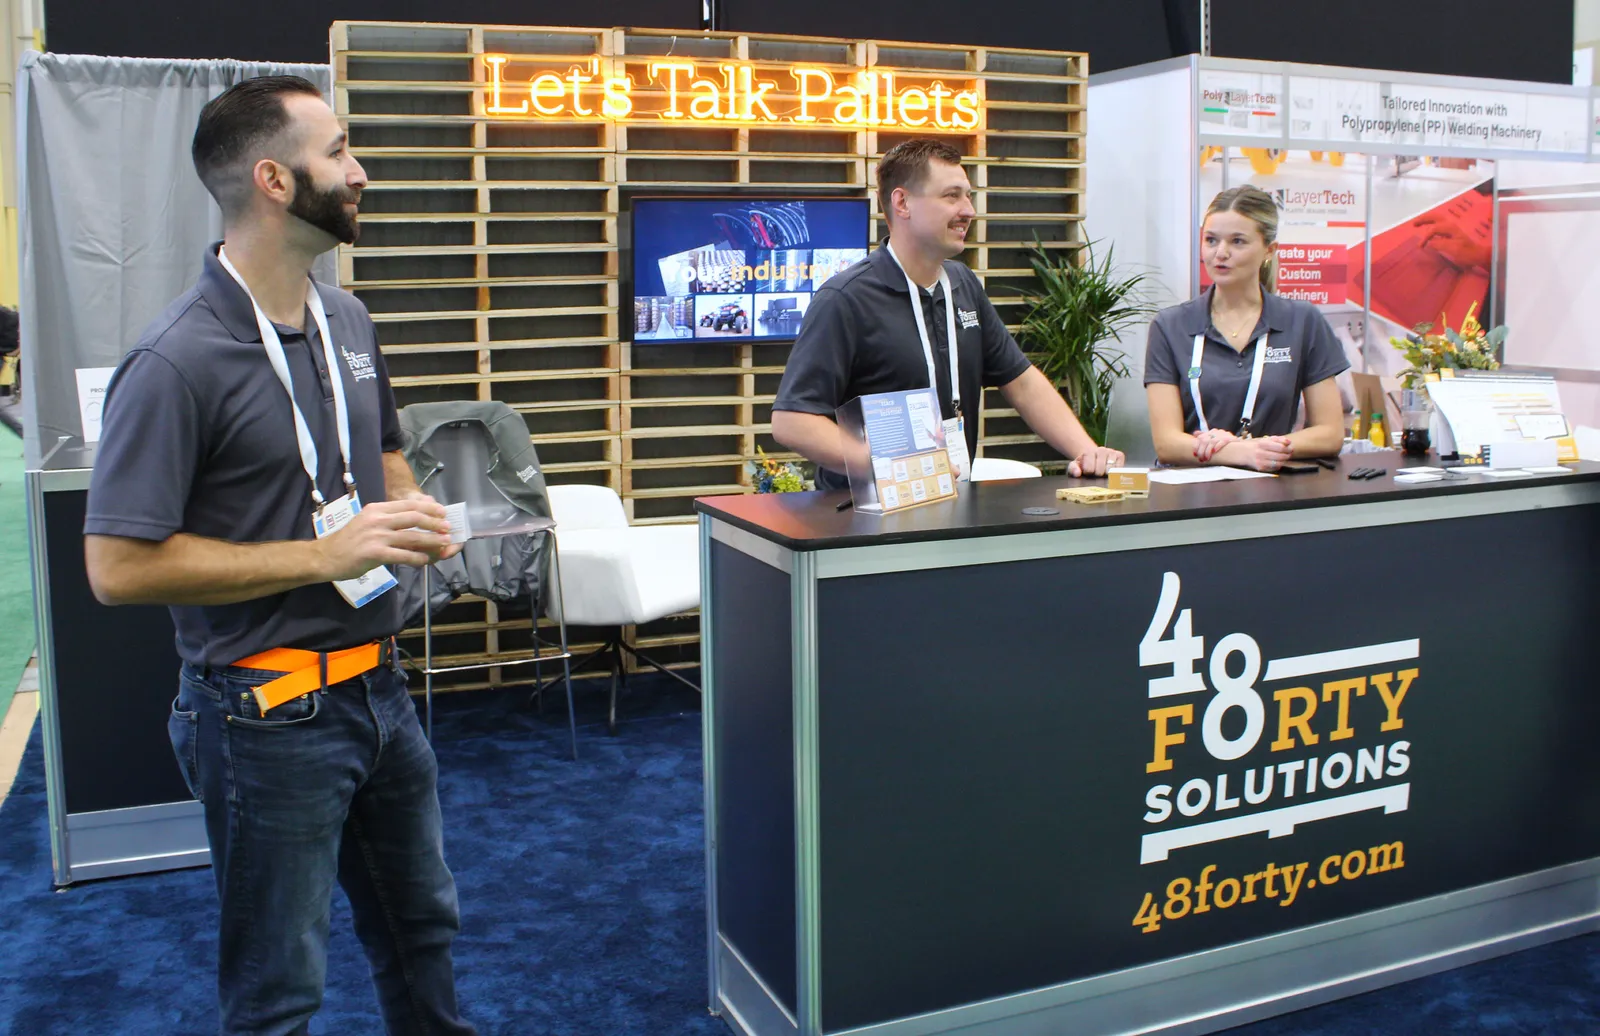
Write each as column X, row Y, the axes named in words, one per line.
column 843, row 505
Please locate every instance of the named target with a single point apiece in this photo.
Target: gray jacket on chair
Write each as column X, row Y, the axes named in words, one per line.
column 478, row 453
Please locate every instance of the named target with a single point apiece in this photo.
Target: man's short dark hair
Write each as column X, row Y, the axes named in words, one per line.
column 234, row 127
column 906, row 164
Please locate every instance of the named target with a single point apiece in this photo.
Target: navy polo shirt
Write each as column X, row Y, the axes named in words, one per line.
column 198, row 437
column 1301, row 351
column 859, row 337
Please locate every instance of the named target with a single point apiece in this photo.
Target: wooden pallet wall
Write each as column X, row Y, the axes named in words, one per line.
column 493, row 250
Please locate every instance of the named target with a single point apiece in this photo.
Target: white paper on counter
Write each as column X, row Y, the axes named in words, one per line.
column 1187, row 476
column 92, row 382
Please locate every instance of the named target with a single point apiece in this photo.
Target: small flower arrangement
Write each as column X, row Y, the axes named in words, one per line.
column 1427, row 351
column 772, row 476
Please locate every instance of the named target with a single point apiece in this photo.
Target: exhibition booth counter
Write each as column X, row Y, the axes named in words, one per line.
column 1014, row 764
column 117, row 805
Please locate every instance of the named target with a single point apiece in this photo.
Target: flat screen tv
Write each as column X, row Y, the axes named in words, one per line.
column 737, row 269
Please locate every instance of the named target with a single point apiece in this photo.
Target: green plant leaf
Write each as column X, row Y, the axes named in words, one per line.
column 1080, row 300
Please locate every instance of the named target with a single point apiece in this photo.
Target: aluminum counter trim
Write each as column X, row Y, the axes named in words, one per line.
column 807, row 797
column 749, row 1001
column 1481, row 910
column 708, row 760
column 1029, row 546
column 763, row 550
column 62, row 480
column 49, row 703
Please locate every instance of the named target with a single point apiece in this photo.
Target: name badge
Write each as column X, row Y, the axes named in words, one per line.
column 955, row 444
column 368, row 586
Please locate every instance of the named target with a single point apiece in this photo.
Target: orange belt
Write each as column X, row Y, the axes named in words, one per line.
column 303, row 671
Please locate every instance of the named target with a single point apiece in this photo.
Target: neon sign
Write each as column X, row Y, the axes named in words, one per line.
column 730, row 93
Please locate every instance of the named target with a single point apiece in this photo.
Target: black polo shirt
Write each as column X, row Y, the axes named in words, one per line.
column 859, row 337
column 1301, row 351
column 198, row 437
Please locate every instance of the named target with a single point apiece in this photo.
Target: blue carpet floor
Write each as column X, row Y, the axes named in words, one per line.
column 582, row 901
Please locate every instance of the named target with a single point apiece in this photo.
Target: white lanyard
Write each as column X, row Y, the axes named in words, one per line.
column 922, row 330
column 280, row 365
column 1249, row 411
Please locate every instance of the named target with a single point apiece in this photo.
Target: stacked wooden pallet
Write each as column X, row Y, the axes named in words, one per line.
column 494, row 245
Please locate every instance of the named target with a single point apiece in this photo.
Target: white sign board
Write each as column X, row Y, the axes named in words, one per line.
column 1490, row 408
column 92, row 382
column 1371, row 112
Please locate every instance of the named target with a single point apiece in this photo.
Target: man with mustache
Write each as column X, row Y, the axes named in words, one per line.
column 249, row 476
column 861, row 333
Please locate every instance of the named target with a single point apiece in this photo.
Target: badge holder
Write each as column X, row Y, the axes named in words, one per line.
column 895, row 451
column 371, row 584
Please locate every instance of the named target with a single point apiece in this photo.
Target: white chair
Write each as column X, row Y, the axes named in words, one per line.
column 990, row 469
column 613, row 574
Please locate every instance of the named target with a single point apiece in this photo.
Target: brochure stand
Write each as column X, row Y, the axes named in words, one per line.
column 895, row 451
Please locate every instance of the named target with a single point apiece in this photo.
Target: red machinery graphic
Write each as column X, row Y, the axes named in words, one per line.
column 1436, row 263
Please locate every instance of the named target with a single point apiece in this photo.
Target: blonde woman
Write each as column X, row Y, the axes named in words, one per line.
column 1225, row 373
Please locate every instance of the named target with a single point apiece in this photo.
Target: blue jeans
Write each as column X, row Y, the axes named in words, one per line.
column 333, row 785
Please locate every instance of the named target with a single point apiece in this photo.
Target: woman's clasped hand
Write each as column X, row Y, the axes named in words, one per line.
column 1267, row 453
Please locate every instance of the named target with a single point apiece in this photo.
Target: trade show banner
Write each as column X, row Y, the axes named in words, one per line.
column 1430, row 116
column 1430, row 237
column 1159, row 752
column 1435, row 265
column 1386, row 112
column 1322, row 205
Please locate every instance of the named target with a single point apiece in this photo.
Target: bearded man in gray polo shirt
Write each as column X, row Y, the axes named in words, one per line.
column 860, row 334
column 249, row 476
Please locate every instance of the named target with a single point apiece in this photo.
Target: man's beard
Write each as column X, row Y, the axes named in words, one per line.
column 325, row 209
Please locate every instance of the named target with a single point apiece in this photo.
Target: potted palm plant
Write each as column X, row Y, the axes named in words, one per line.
column 1081, row 302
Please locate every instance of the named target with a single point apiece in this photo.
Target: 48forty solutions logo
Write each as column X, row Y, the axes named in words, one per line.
column 360, row 364
column 1331, row 754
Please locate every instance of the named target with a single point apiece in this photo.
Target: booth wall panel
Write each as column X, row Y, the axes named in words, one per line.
column 133, row 653
column 493, row 252
column 754, row 728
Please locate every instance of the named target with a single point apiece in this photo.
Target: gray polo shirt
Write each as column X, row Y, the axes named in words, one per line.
column 198, row 438
column 1301, row 351
column 859, row 337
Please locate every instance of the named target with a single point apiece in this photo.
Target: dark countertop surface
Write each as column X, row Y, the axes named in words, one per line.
column 812, row 521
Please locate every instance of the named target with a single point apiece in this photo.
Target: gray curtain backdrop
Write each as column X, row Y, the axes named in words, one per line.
column 113, row 220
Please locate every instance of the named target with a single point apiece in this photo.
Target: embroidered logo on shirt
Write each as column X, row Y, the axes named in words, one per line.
column 360, row 364
column 1282, row 355
column 527, row 473
column 968, row 317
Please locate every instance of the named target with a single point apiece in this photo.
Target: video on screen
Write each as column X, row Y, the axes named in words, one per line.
column 737, row 269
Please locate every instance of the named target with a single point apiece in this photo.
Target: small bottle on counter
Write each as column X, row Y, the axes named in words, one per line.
column 1375, row 433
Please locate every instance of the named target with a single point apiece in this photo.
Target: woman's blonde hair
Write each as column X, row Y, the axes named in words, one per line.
column 1258, row 207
